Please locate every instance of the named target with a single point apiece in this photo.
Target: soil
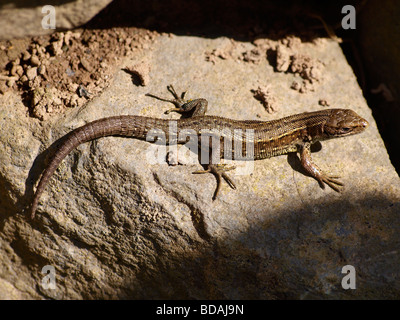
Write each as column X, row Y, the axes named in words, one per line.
column 66, row 69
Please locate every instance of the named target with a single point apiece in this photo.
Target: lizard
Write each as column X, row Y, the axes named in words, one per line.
column 295, row 133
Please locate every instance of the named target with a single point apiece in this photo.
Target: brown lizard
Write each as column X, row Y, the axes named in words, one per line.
column 294, row 133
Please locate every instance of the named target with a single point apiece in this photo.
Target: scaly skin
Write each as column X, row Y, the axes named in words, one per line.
column 267, row 139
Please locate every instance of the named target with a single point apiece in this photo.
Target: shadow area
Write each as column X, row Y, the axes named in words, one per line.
column 296, row 254
column 38, row 166
column 10, row 207
column 241, row 20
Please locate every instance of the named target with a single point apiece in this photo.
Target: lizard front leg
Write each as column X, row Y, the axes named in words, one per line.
column 313, row 170
column 197, row 107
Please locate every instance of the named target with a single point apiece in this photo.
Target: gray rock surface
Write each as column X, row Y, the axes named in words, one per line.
column 115, row 226
column 22, row 19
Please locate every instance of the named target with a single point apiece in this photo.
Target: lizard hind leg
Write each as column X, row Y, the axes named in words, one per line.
column 219, row 171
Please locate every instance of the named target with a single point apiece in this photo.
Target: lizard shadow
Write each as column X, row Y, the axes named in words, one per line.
column 38, row 166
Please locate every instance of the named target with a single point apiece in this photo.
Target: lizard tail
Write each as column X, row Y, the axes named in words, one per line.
column 126, row 126
column 61, row 153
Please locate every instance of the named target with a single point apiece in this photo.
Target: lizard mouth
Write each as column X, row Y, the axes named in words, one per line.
column 360, row 126
column 345, row 122
column 364, row 123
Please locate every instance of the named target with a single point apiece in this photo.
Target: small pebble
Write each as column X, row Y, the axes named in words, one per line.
column 42, row 69
column 35, row 61
column 26, row 56
column 31, row 73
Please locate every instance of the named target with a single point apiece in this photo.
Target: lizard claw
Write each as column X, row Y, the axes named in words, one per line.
column 330, row 181
column 172, row 110
column 219, row 171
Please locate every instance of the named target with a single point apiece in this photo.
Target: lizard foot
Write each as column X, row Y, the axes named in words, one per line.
column 219, row 171
column 330, row 181
column 178, row 101
column 197, row 107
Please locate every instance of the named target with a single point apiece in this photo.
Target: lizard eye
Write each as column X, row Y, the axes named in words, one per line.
column 346, row 129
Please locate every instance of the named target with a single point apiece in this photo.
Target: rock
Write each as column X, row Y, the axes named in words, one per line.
column 42, row 69
column 56, row 45
column 3, row 87
column 73, row 101
column 86, row 64
column 31, row 73
column 19, row 70
column 16, row 71
column 10, row 83
column 69, row 15
column 13, row 70
column 140, row 72
column 35, row 61
column 26, row 56
column 116, row 221
column 24, row 79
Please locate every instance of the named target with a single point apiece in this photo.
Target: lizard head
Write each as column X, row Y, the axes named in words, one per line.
column 344, row 122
